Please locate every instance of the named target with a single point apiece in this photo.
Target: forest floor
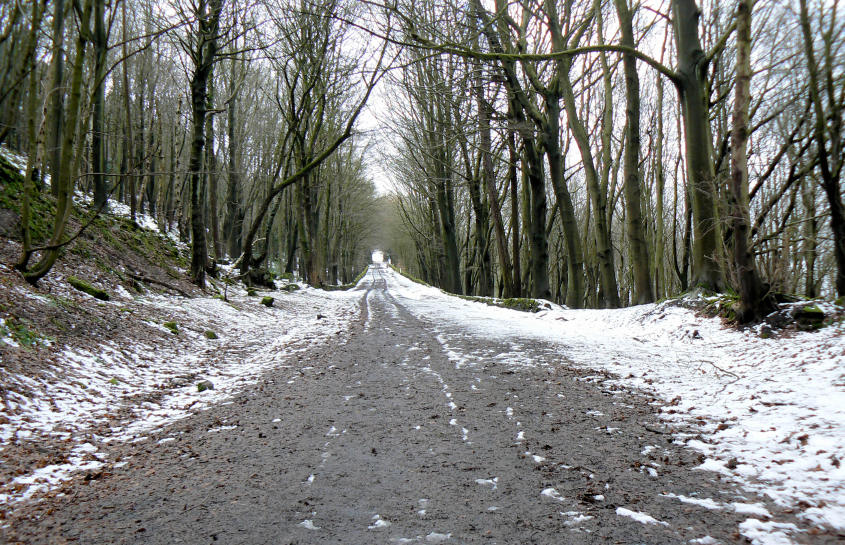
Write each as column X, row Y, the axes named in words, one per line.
column 394, row 413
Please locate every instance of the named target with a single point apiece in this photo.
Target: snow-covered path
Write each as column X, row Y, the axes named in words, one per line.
column 436, row 421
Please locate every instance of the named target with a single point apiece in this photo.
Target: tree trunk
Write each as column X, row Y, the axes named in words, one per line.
column 98, row 158
column 513, row 157
column 753, row 299
column 811, row 231
column 33, row 140
column 446, row 215
column 129, row 137
column 604, row 249
column 151, row 189
column 574, row 254
column 233, row 224
column 830, row 176
column 691, row 82
column 211, row 176
column 291, row 247
column 56, row 119
column 660, row 236
column 205, row 52
column 488, row 175
column 633, row 211
column 493, row 201
column 538, row 254
column 538, row 243
column 64, row 183
column 19, row 68
column 482, row 226
column 479, row 213
column 309, row 231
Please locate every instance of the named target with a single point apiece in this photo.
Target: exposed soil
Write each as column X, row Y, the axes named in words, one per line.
column 385, row 439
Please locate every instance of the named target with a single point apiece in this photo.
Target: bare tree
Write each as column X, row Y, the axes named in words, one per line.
column 828, row 136
column 202, row 50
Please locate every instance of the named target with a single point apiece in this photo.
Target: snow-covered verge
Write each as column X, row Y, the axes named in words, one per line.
column 769, row 413
column 96, row 394
column 77, row 374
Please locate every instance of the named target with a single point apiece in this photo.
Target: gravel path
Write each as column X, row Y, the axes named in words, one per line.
column 385, row 439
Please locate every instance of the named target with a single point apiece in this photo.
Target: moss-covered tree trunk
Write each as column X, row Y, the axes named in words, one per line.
column 63, row 184
column 33, row 139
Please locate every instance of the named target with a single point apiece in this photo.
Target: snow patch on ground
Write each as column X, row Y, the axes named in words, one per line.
column 308, row 524
column 492, row 483
column 767, row 532
column 552, row 493
column 639, row 517
column 706, row 503
column 706, row 540
column 575, row 518
column 378, row 523
column 123, row 392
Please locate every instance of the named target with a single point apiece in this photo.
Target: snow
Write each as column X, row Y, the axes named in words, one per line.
column 537, row 459
column 767, row 532
column 493, row 483
column 16, row 160
column 432, row 537
column 775, row 407
column 80, row 459
column 221, row 428
column 757, row 509
column 707, row 503
column 378, row 523
column 158, row 384
column 575, row 518
column 639, row 517
column 551, row 493
column 308, row 524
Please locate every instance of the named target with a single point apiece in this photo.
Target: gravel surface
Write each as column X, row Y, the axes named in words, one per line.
column 385, row 439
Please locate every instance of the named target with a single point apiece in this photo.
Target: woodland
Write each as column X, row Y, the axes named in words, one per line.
column 598, row 154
